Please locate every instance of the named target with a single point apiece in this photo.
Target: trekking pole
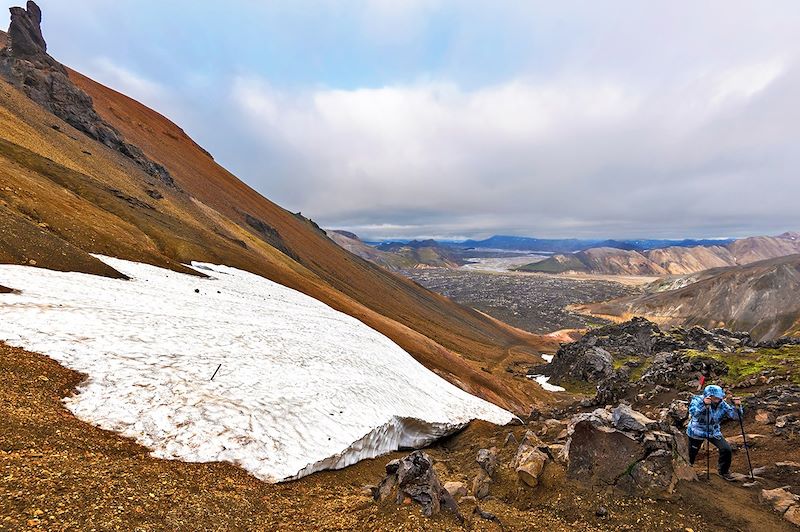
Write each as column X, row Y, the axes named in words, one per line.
column 744, row 442
column 708, row 443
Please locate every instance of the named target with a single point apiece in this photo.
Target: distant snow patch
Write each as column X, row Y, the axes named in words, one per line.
column 302, row 387
column 545, row 384
column 547, row 358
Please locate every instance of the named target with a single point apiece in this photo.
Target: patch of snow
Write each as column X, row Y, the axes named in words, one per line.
column 547, row 358
column 544, row 382
column 302, row 387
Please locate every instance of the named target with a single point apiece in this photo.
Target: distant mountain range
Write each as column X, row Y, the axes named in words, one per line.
column 553, row 245
column 574, row 244
column 397, row 255
column 673, row 260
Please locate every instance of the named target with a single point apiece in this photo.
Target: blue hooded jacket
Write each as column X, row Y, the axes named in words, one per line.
column 706, row 419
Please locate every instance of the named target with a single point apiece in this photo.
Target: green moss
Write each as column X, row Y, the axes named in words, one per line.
column 636, row 373
column 743, row 364
column 579, row 387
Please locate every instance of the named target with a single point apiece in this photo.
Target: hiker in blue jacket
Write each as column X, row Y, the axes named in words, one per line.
column 708, row 411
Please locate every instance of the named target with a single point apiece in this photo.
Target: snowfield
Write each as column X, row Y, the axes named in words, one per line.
column 302, row 387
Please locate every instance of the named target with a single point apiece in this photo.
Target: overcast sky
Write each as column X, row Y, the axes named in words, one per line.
column 404, row 118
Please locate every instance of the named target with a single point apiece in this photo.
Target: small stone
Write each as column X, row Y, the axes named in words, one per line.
column 793, row 515
column 601, row 511
column 510, row 438
column 764, row 417
column 456, row 489
column 487, row 459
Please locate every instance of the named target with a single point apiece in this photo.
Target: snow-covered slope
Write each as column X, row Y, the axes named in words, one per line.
column 302, row 387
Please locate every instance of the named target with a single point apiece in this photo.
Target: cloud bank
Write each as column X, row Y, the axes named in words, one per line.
column 436, row 118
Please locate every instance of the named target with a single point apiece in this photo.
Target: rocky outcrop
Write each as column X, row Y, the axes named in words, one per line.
column 779, row 406
column 413, row 479
column 627, row 450
column 659, row 360
column 25, row 64
column 25, row 31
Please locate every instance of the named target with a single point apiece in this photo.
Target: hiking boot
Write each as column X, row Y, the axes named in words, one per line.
column 728, row 477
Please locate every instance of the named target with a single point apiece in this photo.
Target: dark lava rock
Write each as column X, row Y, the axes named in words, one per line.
column 639, row 462
column 25, row 31
column 413, row 477
column 25, row 64
column 576, row 360
column 627, row 419
column 669, row 369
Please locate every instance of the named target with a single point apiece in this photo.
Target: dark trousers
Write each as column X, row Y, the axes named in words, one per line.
column 724, row 447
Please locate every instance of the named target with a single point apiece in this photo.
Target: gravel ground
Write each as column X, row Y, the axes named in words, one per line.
column 532, row 302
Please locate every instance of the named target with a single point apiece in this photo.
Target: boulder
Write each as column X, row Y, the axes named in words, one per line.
column 637, row 460
column 793, row 515
column 600, row 453
column 530, row 459
column 626, row 419
column 596, row 364
column 414, row 479
column 487, row 460
column 581, row 360
column 752, row 440
column 653, row 475
column 764, row 417
column 678, row 412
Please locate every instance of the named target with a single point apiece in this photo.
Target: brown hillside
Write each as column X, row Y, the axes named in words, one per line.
column 64, row 195
column 761, row 298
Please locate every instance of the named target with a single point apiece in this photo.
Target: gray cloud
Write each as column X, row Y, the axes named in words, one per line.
column 615, row 120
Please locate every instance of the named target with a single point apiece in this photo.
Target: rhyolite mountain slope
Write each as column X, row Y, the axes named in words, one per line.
column 397, row 256
column 85, row 169
column 762, row 298
column 673, row 260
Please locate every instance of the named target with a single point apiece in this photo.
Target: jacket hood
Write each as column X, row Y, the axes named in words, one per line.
column 712, row 390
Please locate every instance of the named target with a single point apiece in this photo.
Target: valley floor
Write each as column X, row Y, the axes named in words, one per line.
column 59, row 473
column 532, row 302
